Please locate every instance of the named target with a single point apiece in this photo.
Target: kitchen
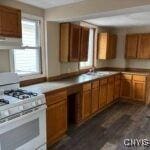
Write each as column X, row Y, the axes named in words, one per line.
column 74, row 74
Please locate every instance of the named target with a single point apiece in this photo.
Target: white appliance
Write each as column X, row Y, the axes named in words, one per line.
column 10, row 43
column 22, row 116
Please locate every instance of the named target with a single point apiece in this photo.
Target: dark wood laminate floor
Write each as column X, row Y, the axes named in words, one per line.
column 107, row 130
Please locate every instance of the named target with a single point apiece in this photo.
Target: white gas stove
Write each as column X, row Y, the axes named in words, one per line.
column 22, row 115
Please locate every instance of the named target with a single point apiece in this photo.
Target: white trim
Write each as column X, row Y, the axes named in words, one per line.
column 42, row 47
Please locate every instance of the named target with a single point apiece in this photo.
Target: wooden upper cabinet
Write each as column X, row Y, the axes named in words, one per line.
column 10, row 22
column 74, row 42
column 144, row 46
column 69, row 42
column 131, row 46
column 107, row 46
column 84, row 44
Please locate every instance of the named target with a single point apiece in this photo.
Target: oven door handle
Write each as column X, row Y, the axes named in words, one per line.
column 22, row 116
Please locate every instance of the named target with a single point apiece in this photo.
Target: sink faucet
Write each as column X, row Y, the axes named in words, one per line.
column 92, row 70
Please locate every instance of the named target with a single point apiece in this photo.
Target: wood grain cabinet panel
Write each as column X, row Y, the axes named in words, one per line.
column 103, row 93
column 74, row 41
column 126, row 88
column 139, row 87
column 95, row 96
column 117, row 87
column 106, row 45
column 144, row 46
column 110, row 90
column 84, row 44
column 139, row 91
column 131, row 46
column 86, row 104
column 56, row 121
column 10, row 22
column 56, row 115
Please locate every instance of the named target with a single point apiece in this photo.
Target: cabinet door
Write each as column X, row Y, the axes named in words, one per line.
column 84, row 44
column 10, row 22
column 144, row 46
column 117, row 89
column 86, row 107
column 56, row 121
column 75, row 32
column 64, row 42
column 102, row 45
column 103, row 93
column 126, row 88
column 95, row 100
column 139, row 91
column 132, row 45
column 110, row 90
column 112, row 46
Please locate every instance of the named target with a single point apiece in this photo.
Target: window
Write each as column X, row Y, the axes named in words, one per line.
column 89, row 62
column 27, row 59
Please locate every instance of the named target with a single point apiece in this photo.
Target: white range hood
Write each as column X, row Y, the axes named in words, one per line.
column 10, row 43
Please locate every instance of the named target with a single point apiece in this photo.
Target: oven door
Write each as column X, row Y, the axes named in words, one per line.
column 27, row 132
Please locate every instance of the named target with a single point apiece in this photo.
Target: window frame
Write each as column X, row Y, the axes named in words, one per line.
column 93, row 58
column 42, row 69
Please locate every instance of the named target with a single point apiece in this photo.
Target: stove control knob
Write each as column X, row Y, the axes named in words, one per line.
column 39, row 102
column 21, row 108
column 33, row 104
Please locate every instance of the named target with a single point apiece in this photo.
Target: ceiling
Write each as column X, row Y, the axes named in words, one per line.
column 49, row 3
column 126, row 20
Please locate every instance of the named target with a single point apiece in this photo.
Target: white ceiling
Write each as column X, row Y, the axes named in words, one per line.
column 126, row 20
column 49, row 3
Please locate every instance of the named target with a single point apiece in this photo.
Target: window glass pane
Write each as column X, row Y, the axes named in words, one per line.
column 26, row 61
column 29, row 33
column 89, row 62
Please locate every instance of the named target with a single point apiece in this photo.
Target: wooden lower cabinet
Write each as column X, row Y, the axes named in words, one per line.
column 117, row 87
column 139, row 88
column 126, row 88
column 103, row 93
column 56, row 119
column 86, row 101
column 95, row 96
column 110, row 90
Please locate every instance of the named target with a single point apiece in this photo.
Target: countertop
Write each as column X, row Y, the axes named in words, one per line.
column 65, row 83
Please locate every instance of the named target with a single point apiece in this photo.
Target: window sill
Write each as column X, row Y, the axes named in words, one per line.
column 31, row 76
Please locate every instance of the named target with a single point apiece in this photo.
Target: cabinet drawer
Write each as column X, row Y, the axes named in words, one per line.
column 117, row 77
column 139, row 78
column 95, row 84
column 103, row 81
column 57, row 97
column 86, row 86
column 126, row 76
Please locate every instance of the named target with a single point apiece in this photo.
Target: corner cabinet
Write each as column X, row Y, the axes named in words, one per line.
column 10, row 22
column 106, row 45
column 73, row 42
